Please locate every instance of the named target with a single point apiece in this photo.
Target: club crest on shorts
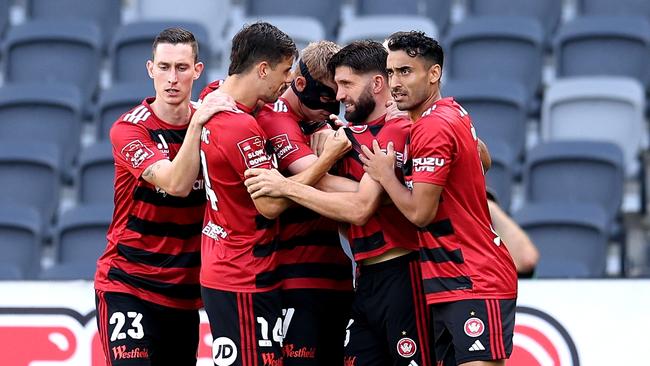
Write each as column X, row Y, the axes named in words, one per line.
column 406, row 347
column 474, row 327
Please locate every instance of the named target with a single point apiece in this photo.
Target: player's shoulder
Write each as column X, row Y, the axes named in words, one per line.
column 209, row 89
column 136, row 115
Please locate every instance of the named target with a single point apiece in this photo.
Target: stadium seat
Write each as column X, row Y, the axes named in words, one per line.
column 439, row 11
column 498, row 110
column 214, row 15
column 500, row 177
column 597, row 108
column 47, row 114
column 604, row 46
column 49, row 52
column 20, row 242
column 328, row 13
column 496, row 48
column 619, row 7
column 571, row 238
column 117, row 100
column 131, row 47
column 379, row 27
column 4, row 15
column 548, row 12
column 79, row 241
column 29, row 176
column 96, row 174
column 576, row 172
column 106, row 14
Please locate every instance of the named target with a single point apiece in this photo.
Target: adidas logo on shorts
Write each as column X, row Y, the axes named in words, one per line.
column 477, row 346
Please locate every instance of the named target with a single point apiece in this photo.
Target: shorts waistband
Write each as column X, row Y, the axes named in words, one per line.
column 389, row 264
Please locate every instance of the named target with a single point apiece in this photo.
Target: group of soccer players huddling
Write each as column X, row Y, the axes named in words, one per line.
column 403, row 181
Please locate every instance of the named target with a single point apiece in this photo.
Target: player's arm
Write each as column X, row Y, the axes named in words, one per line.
column 177, row 176
column 420, row 205
column 329, row 182
column 521, row 248
column 486, row 159
column 352, row 207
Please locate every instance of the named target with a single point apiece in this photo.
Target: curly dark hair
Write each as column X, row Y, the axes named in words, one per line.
column 416, row 43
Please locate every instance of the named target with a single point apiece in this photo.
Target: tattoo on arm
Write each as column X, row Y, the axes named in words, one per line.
column 150, row 172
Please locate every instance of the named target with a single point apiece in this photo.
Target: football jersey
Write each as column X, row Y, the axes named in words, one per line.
column 209, row 89
column 236, row 237
column 308, row 247
column 461, row 255
column 387, row 228
column 153, row 249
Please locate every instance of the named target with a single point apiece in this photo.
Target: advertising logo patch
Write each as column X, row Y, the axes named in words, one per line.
column 136, row 153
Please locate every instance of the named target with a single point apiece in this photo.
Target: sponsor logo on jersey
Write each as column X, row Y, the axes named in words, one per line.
column 476, row 346
column 290, row 351
column 474, row 327
column 271, row 359
column 282, row 146
column 123, row 353
column 427, row 164
column 136, row 153
column 252, row 150
column 214, row 231
column 140, row 113
column 406, row 347
column 224, row 351
column 162, row 145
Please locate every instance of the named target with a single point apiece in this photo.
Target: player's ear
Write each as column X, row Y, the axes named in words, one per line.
column 263, row 69
column 435, row 72
column 301, row 83
column 198, row 69
column 149, row 66
column 378, row 83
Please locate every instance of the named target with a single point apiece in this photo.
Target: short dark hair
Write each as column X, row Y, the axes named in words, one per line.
column 362, row 57
column 416, row 43
column 259, row 42
column 174, row 36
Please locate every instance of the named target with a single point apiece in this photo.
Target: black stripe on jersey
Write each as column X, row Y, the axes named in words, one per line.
column 194, row 199
column 169, row 229
column 356, row 146
column 443, row 284
column 439, row 228
column 374, row 129
column 322, row 238
column 181, row 260
column 262, row 223
column 440, row 255
column 297, row 215
column 170, row 136
column 303, row 270
column 177, row 291
column 368, row 243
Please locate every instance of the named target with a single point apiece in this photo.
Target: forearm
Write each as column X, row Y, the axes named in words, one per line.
column 333, row 183
column 186, row 164
column 316, row 171
column 404, row 200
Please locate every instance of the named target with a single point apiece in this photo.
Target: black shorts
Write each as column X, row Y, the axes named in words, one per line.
column 390, row 321
column 136, row 332
column 315, row 323
column 246, row 328
column 473, row 330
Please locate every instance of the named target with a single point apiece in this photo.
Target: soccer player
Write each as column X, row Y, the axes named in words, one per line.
column 316, row 273
column 240, row 277
column 389, row 317
column 469, row 278
column 147, row 280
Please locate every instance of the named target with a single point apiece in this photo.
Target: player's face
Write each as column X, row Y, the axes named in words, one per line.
column 173, row 71
column 278, row 79
column 408, row 79
column 355, row 92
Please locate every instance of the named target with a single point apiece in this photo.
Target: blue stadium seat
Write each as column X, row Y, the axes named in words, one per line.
column 576, row 172
column 96, row 174
column 498, row 109
column 439, row 11
column 597, row 108
column 49, row 52
column 500, row 177
column 4, row 15
column 79, row 241
column 131, row 47
column 20, row 242
column 496, row 48
column 379, row 27
column 548, row 12
column 604, row 46
column 117, row 100
column 48, row 114
column 327, row 12
column 106, row 14
column 571, row 238
column 29, row 176
column 618, row 7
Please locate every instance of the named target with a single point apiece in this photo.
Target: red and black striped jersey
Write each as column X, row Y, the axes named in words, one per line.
column 209, row 89
column 153, row 249
column 308, row 246
column 236, row 237
column 461, row 255
column 387, row 228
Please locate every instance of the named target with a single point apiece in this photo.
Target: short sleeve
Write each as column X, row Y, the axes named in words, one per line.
column 286, row 137
column 133, row 147
column 246, row 146
column 433, row 150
